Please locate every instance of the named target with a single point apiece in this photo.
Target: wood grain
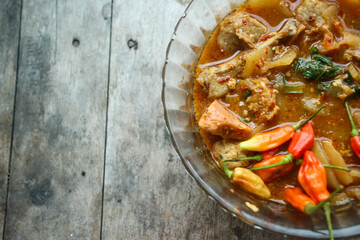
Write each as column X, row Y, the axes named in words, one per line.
column 9, row 41
column 59, row 132
column 148, row 194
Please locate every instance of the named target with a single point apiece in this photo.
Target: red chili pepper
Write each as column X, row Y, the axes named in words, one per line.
column 300, row 143
column 267, row 175
column 274, row 138
column 311, row 19
column 224, row 79
column 355, row 135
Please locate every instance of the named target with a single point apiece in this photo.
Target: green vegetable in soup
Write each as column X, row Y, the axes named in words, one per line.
column 323, row 86
column 318, row 68
column 247, row 94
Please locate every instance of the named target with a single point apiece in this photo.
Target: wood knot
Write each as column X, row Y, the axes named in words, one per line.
column 76, row 42
column 132, row 44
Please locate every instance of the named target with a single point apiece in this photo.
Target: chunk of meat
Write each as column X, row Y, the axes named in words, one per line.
column 310, row 12
column 292, row 28
column 320, row 17
column 349, row 43
column 239, row 31
column 262, row 102
column 352, row 42
column 230, row 149
column 340, row 89
column 220, row 79
column 219, row 120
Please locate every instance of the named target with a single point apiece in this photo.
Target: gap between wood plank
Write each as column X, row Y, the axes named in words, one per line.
column 13, row 121
column 106, row 123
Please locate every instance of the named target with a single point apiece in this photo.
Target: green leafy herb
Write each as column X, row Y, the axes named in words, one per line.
column 323, row 59
column 348, row 78
column 323, row 86
column 314, row 50
column 247, row 94
column 318, row 68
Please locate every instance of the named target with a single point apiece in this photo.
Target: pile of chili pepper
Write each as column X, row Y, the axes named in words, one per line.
column 354, row 135
column 313, row 194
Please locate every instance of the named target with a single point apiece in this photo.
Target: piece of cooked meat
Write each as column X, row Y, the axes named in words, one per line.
column 310, row 11
column 230, row 149
column 352, row 42
column 339, row 88
column 219, row 120
column 291, row 28
column 262, row 102
column 220, row 79
column 319, row 17
column 240, row 31
column 349, row 43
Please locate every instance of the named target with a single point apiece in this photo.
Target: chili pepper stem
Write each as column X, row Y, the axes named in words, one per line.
column 336, row 167
column 299, row 161
column 328, row 219
column 227, row 171
column 257, row 157
column 354, row 131
column 310, row 209
column 296, row 127
column 287, row 159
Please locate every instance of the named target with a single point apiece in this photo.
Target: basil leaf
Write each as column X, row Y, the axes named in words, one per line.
column 323, row 59
column 318, row 68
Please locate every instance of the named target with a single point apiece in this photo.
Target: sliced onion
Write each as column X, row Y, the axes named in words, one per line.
column 337, row 160
column 319, row 152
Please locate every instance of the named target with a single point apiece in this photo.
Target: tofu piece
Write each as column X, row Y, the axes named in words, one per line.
column 218, row 120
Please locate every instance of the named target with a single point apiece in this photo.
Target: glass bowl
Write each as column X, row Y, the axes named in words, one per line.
column 191, row 33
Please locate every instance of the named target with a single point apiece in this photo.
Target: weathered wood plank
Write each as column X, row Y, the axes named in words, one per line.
column 148, row 194
column 9, row 35
column 59, row 133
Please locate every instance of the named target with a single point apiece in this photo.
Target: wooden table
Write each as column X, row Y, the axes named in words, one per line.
column 83, row 146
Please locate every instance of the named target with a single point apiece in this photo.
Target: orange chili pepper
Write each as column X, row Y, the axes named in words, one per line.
column 270, row 153
column 270, row 174
column 300, row 142
column 354, row 135
column 274, row 138
column 312, row 177
column 298, row 199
